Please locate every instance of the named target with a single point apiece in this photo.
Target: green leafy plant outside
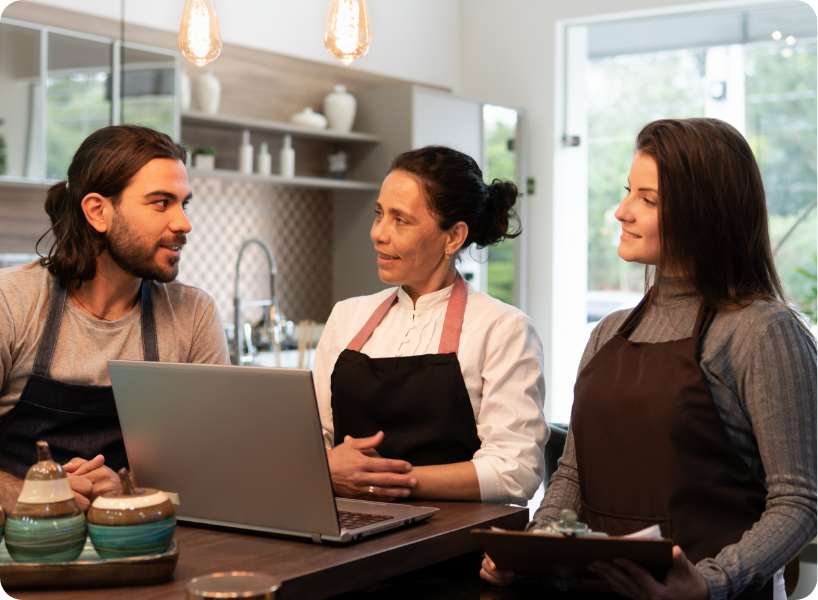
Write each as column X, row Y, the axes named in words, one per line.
column 809, row 303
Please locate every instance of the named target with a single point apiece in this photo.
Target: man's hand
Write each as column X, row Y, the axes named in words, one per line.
column 90, row 479
column 683, row 581
column 355, row 466
column 492, row 574
column 10, row 488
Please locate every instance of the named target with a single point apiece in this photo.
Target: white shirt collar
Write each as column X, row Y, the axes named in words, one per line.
column 426, row 301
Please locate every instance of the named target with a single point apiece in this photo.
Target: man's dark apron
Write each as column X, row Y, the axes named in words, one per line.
column 75, row 420
column 651, row 447
column 419, row 402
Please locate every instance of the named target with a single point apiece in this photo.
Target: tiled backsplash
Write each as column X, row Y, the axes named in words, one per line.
column 296, row 222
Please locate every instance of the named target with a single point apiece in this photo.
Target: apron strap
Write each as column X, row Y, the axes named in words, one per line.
column 53, row 320
column 51, row 331
column 150, row 344
column 366, row 331
column 634, row 318
column 703, row 319
column 453, row 322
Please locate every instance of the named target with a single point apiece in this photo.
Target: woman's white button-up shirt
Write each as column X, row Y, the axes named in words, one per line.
column 501, row 359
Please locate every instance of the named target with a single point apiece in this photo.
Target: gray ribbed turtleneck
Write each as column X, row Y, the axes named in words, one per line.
column 761, row 369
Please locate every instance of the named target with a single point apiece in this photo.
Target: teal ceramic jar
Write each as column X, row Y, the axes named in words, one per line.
column 46, row 524
column 134, row 522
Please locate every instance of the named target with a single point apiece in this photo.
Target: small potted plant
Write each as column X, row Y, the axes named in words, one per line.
column 204, row 158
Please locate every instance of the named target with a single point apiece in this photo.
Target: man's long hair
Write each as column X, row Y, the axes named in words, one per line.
column 104, row 164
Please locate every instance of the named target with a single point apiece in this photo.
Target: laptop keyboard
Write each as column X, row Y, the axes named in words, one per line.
column 354, row 520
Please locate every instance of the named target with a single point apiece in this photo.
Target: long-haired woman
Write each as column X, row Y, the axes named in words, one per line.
column 696, row 411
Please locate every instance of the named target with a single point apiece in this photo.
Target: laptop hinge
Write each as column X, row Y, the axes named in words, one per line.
column 316, row 537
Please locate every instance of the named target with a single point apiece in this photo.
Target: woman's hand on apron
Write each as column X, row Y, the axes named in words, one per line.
column 359, row 472
column 493, row 575
column 90, row 479
column 683, row 581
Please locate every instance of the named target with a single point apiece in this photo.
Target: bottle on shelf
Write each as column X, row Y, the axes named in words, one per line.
column 287, row 158
column 265, row 160
column 246, row 154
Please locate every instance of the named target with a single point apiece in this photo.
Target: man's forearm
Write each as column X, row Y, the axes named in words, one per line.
column 10, row 487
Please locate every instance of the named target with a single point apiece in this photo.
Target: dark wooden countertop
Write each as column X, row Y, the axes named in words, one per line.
column 311, row 571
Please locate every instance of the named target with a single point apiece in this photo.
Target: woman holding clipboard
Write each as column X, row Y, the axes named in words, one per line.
column 696, row 411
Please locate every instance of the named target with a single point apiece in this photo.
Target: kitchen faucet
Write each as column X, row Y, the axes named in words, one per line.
column 240, row 336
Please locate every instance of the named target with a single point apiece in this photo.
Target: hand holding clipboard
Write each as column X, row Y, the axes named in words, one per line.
column 567, row 555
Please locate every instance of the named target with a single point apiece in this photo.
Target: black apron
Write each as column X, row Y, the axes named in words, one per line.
column 76, row 420
column 419, row 402
column 651, row 447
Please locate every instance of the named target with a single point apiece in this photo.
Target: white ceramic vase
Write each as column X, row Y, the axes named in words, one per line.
column 185, row 91
column 340, row 107
column 209, row 93
column 308, row 118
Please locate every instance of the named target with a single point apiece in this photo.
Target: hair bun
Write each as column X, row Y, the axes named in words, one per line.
column 502, row 197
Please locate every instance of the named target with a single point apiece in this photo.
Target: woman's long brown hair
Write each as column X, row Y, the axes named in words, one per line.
column 104, row 164
column 712, row 212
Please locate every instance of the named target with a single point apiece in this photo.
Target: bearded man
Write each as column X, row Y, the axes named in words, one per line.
column 106, row 290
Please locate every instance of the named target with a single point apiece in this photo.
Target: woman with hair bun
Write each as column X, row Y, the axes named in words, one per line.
column 696, row 411
column 431, row 389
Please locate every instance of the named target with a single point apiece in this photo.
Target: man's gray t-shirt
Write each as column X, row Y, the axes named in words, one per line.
column 188, row 329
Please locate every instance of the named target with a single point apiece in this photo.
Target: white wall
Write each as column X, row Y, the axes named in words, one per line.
column 508, row 55
column 418, row 40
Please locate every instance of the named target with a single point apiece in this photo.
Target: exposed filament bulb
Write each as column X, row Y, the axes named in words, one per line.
column 347, row 35
column 200, row 40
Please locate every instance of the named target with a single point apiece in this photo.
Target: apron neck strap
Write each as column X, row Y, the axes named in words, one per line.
column 51, row 331
column 53, row 320
column 703, row 320
column 634, row 318
column 366, row 331
column 150, row 344
column 452, row 323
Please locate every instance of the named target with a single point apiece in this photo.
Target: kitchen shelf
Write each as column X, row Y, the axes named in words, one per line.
column 311, row 182
column 231, row 122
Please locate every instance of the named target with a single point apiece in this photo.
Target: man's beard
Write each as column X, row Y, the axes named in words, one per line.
column 131, row 255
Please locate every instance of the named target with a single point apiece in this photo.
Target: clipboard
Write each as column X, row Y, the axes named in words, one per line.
column 567, row 557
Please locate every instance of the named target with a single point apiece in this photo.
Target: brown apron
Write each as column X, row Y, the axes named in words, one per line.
column 651, row 447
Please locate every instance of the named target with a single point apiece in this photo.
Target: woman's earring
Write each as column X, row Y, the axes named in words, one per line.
column 447, row 255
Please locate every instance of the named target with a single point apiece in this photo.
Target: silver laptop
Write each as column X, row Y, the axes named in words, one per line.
column 240, row 447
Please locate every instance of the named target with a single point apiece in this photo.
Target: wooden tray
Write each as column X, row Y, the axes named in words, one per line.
column 88, row 571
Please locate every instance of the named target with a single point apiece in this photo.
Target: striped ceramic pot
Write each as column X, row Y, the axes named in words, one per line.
column 46, row 524
column 133, row 522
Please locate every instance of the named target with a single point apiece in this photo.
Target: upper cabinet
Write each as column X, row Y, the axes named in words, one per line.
column 57, row 87
column 21, row 102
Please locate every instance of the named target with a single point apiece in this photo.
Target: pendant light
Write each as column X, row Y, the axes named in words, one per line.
column 200, row 40
column 347, row 36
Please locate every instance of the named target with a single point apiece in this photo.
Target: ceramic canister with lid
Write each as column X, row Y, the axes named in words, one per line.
column 133, row 522
column 46, row 524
